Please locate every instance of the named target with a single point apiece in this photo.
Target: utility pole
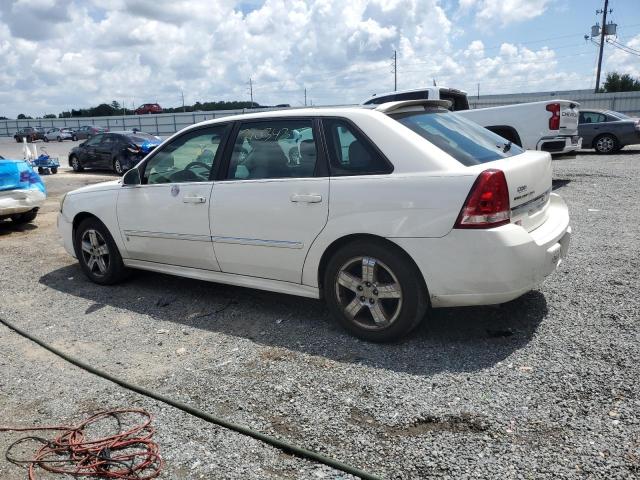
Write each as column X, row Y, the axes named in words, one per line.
column 305, row 97
column 182, row 94
column 604, row 23
column 478, row 91
column 395, row 70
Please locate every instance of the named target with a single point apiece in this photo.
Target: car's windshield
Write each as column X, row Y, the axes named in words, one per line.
column 619, row 115
column 467, row 142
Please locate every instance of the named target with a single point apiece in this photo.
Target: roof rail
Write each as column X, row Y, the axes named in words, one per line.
column 390, row 107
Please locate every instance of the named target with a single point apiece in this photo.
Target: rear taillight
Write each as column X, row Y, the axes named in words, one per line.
column 487, row 204
column 554, row 121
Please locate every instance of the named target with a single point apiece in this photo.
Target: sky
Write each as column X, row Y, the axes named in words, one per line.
column 61, row 54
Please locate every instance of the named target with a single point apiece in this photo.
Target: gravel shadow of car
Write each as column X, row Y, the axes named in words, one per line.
column 452, row 339
column 7, row 227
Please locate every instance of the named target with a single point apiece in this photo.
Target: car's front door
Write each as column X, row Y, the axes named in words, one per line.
column 165, row 219
column 266, row 209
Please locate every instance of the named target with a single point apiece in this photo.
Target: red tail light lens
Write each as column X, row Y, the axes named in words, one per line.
column 554, row 121
column 487, row 204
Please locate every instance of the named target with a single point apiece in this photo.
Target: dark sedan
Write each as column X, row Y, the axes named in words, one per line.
column 607, row 131
column 117, row 151
column 88, row 131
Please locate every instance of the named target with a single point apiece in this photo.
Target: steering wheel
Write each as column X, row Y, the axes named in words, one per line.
column 197, row 164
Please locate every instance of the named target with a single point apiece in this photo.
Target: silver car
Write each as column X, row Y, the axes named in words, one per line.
column 59, row 134
column 607, row 131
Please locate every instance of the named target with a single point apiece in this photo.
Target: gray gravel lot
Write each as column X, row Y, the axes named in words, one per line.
column 545, row 386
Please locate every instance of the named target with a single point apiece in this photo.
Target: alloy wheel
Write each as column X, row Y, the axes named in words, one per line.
column 369, row 293
column 95, row 252
column 75, row 164
column 117, row 166
column 605, row 144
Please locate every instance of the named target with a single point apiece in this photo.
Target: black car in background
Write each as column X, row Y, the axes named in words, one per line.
column 117, row 151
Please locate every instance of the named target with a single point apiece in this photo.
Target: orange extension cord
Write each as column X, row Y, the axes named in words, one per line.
column 128, row 454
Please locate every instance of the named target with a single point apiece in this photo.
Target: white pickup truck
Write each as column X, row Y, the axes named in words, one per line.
column 550, row 125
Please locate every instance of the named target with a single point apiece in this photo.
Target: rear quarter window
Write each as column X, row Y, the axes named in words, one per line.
column 466, row 141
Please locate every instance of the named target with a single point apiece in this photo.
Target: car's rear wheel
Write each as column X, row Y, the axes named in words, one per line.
column 98, row 254
column 74, row 138
column 75, row 164
column 375, row 291
column 54, row 170
column 26, row 217
column 606, row 143
column 17, row 139
column 117, row 167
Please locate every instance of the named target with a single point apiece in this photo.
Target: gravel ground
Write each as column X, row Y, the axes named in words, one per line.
column 545, row 386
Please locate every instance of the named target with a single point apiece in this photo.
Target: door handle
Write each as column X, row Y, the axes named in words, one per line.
column 193, row 199
column 310, row 198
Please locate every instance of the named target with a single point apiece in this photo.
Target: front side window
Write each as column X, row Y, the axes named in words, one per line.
column 189, row 158
column 350, row 152
column 273, row 149
column 464, row 140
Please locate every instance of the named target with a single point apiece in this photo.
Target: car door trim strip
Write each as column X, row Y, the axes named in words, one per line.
column 258, row 242
column 168, row 236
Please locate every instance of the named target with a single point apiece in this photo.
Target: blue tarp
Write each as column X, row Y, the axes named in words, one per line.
column 18, row 175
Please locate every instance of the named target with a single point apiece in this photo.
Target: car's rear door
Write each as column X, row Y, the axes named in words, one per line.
column 266, row 210
column 88, row 154
column 166, row 218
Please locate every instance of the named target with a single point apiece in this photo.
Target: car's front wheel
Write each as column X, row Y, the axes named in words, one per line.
column 375, row 291
column 75, row 164
column 74, row 138
column 606, row 144
column 98, row 254
column 46, row 139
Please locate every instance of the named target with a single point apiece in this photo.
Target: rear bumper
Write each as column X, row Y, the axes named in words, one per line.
column 20, row 201
column 560, row 144
column 485, row 267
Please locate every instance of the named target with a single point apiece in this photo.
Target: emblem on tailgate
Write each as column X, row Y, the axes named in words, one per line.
column 522, row 188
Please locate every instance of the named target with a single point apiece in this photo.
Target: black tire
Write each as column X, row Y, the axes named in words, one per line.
column 54, row 170
column 46, row 139
column 74, row 138
column 41, row 170
column 17, row 139
column 74, row 161
column 59, row 139
column 606, row 143
column 114, row 269
column 25, row 217
column 391, row 266
column 117, row 166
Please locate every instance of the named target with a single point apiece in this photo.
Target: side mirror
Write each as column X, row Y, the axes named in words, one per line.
column 132, row 177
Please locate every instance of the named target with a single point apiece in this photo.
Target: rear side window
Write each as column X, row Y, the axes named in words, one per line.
column 464, row 140
column 350, row 152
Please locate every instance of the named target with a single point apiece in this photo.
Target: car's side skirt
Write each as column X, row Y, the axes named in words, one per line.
column 227, row 278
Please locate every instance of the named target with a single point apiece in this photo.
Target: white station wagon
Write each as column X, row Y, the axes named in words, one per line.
column 383, row 212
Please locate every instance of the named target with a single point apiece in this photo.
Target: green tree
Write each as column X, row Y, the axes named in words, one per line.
column 22, row 116
column 49, row 115
column 115, row 105
column 620, row 83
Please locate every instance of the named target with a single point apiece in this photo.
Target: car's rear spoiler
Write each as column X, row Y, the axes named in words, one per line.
column 410, row 105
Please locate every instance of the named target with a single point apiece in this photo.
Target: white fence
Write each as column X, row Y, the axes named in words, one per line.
column 162, row 124
column 624, row 102
column 165, row 124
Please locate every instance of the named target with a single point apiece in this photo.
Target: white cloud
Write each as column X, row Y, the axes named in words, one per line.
column 138, row 51
column 491, row 13
column 622, row 62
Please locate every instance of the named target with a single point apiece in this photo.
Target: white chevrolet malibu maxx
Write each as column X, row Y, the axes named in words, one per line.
column 382, row 212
